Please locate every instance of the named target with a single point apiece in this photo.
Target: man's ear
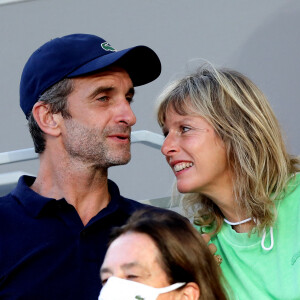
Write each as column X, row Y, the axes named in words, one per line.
column 47, row 121
column 190, row 291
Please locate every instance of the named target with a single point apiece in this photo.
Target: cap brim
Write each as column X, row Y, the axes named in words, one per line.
column 141, row 63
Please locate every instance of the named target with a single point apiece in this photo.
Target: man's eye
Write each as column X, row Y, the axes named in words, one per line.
column 103, row 99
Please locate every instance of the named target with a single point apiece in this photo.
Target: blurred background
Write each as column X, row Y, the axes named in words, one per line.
column 260, row 38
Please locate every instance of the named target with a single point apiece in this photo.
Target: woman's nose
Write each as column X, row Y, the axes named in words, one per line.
column 170, row 145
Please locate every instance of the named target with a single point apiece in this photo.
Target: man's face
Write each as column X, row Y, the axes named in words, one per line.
column 98, row 132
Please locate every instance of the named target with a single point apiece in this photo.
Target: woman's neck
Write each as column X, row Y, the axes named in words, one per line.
column 241, row 226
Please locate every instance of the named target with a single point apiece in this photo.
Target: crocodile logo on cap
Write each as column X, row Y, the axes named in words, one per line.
column 107, row 47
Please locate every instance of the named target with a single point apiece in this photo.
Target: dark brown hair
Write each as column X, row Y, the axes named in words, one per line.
column 56, row 96
column 184, row 255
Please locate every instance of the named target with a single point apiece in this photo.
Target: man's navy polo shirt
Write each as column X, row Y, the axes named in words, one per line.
column 46, row 252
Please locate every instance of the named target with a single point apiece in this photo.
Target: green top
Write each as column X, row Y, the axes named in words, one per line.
column 255, row 273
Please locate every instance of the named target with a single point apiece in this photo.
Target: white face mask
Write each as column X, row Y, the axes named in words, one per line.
column 121, row 289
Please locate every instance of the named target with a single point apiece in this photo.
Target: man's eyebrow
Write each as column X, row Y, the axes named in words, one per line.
column 99, row 90
column 103, row 89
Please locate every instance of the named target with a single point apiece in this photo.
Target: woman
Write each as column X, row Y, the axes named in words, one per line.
column 224, row 145
column 159, row 255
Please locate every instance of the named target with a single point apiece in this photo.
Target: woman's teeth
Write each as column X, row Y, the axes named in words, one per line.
column 181, row 166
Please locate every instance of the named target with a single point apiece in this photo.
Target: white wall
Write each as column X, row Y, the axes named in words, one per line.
column 258, row 37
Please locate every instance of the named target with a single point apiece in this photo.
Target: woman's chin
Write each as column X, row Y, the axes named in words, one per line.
column 184, row 189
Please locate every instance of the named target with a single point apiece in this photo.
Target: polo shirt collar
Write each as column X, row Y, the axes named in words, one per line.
column 31, row 201
column 117, row 203
column 35, row 203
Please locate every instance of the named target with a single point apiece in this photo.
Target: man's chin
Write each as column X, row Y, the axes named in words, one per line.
column 119, row 160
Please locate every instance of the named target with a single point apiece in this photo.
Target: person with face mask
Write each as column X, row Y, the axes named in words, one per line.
column 159, row 255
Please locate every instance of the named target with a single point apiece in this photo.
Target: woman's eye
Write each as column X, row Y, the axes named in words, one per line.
column 185, row 129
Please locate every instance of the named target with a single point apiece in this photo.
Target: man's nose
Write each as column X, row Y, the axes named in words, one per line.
column 125, row 113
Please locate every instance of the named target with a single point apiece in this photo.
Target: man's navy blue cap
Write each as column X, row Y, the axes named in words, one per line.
column 77, row 55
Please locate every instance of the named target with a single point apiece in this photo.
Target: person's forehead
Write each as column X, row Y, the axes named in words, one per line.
column 135, row 240
column 131, row 247
column 110, row 78
column 172, row 116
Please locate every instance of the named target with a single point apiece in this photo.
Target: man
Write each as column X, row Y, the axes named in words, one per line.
column 75, row 92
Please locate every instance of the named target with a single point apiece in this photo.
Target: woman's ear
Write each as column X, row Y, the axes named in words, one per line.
column 190, row 291
column 47, row 121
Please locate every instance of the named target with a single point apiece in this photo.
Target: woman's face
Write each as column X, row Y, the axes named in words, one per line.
column 134, row 256
column 196, row 154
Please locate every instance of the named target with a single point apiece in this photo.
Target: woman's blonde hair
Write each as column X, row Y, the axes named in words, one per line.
column 242, row 117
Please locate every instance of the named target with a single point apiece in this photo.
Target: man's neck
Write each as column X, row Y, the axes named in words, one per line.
column 84, row 188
